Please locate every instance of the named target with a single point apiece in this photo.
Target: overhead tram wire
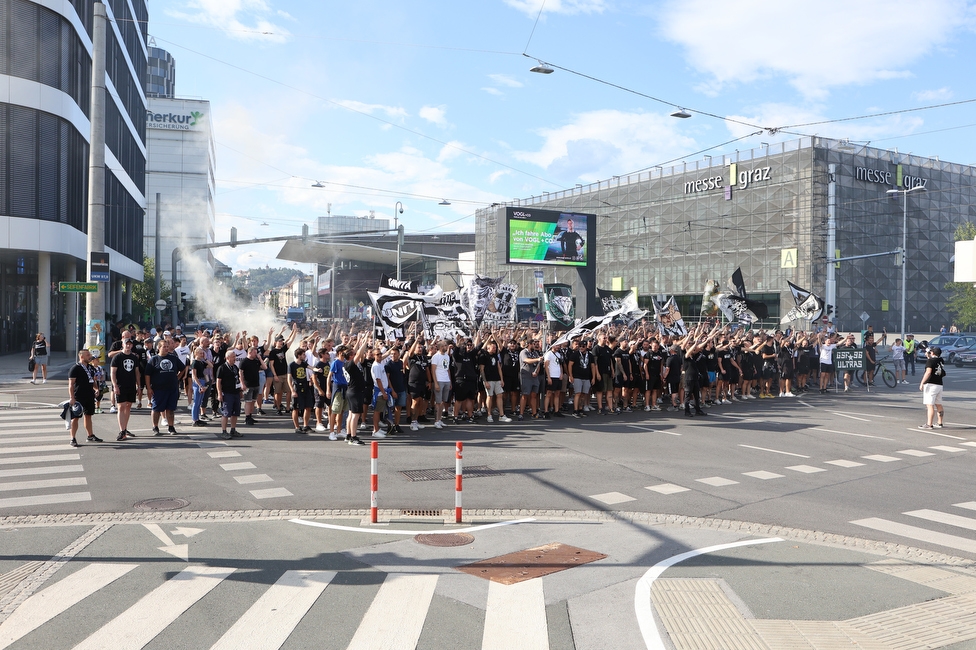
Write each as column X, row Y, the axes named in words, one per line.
column 374, row 191
column 363, row 113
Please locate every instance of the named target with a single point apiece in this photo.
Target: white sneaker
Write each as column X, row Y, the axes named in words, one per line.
column 415, row 426
column 504, row 418
column 362, row 426
column 438, row 424
column 586, row 409
column 647, row 408
column 655, row 408
column 113, row 410
column 44, row 381
column 320, row 427
column 489, row 419
column 333, row 436
column 379, row 434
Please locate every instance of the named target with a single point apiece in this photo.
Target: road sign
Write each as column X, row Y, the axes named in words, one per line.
column 865, row 316
column 160, row 304
column 78, row 287
column 99, row 269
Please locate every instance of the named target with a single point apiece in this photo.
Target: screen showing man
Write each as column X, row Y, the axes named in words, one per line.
column 549, row 237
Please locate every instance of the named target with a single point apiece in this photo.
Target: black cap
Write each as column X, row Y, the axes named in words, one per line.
column 937, row 351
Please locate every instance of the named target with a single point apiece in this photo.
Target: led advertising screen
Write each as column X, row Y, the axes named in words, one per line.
column 549, row 237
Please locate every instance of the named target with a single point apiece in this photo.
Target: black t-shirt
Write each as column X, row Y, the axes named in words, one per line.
column 139, row 349
column 125, row 366
column 510, row 363
column 466, row 364
column 871, row 353
column 570, row 241
column 299, row 375
column 585, row 368
column 938, row 370
column 199, row 367
column 674, row 364
column 654, row 362
column 765, row 350
column 689, row 369
column 276, row 357
column 84, row 381
column 711, row 360
column 251, row 371
column 604, row 359
column 40, row 348
column 726, row 357
column 394, row 372
column 492, row 365
column 572, row 363
column 229, row 379
column 417, row 377
column 164, row 372
column 355, row 378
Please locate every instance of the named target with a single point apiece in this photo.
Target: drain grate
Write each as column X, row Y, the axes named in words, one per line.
column 447, row 474
column 421, row 513
column 531, row 563
column 161, row 503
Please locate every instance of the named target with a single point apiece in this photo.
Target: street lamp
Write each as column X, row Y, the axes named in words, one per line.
column 904, row 248
column 398, row 210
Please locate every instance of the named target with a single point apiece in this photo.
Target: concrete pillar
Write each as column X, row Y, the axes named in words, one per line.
column 71, row 306
column 44, row 295
column 96, row 302
column 127, row 305
column 117, row 297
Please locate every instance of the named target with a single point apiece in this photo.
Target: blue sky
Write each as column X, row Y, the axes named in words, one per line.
column 428, row 100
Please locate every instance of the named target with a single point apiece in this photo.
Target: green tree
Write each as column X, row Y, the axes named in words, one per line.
column 962, row 302
column 144, row 293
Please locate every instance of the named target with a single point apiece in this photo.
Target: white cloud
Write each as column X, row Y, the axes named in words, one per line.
column 601, row 143
column 451, row 150
column 369, row 109
column 493, row 91
column 777, row 115
column 233, row 16
column 505, row 80
column 531, row 7
column 817, row 46
column 434, row 115
column 939, row 95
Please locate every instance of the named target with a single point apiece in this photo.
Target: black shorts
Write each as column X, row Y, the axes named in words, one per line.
column 419, row 392
column 555, row 384
column 732, row 377
column 355, row 402
column 512, row 384
column 826, row 368
column 303, row 400
column 654, row 383
column 126, row 394
column 321, row 401
column 769, row 371
column 87, row 402
column 465, row 390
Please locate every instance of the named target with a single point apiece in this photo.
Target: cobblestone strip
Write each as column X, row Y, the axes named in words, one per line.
column 911, row 553
column 39, row 576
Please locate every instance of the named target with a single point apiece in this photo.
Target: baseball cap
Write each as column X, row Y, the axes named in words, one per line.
column 937, row 351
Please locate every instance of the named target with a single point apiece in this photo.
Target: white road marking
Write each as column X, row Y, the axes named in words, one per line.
column 873, row 415
column 845, row 433
column 944, row 518
column 951, row 450
column 271, row 493
column 934, row 433
column 39, row 459
column 138, row 625
column 915, row 452
column 29, row 429
column 642, row 427
column 223, row 454
column 33, row 448
column 968, row 444
column 33, row 471
column 762, row 475
column 843, row 415
column 920, row 534
column 805, row 404
column 396, row 617
column 253, row 478
column 274, row 616
column 156, row 530
column 844, row 463
column 666, row 488
column 653, row 638
column 43, row 483
column 231, row 467
column 716, row 481
column 612, row 498
column 881, row 458
column 45, row 499
column 516, row 617
column 775, row 451
column 32, row 438
column 353, row 529
column 187, row 532
column 806, row 469
column 48, row 603
column 969, row 505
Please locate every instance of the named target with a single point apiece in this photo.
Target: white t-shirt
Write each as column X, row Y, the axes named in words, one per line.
column 827, row 353
column 378, row 370
column 553, row 366
column 183, row 352
column 442, row 367
column 898, row 352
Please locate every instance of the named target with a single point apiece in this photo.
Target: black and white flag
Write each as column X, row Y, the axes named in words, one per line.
column 669, row 321
column 501, row 306
column 393, row 313
column 392, row 287
column 560, row 307
column 809, row 307
column 737, row 284
column 476, row 296
column 446, row 318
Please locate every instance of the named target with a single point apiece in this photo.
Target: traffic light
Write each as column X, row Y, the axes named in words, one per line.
column 899, row 256
column 182, row 298
column 830, row 310
column 233, row 237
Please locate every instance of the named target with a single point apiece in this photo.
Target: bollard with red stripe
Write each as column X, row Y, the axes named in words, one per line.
column 458, row 473
column 373, row 479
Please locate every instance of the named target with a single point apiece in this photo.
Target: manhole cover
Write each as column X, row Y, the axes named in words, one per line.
column 531, row 563
column 162, row 503
column 445, row 540
column 447, row 474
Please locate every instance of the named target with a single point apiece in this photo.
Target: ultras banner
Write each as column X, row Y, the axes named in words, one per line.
column 446, row 318
column 618, row 301
column 501, row 306
column 669, row 321
column 808, row 307
column 476, row 297
column 393, row 313
column 560, row 308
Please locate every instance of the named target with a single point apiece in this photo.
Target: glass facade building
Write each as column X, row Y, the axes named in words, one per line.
column 45, row 79
column 668, row 230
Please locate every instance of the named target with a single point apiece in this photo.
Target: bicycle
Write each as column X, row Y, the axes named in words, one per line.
column 886, row 375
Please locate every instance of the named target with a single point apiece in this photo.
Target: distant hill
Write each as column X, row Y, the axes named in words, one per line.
column 262, row 279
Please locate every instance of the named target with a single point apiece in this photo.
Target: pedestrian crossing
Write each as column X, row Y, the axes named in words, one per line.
column 36, row 467
column 396, row 617
column 921, row 527
column 726, row 482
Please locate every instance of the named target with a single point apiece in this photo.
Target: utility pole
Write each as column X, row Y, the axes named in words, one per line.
column 95, row 301
column 157, row 316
